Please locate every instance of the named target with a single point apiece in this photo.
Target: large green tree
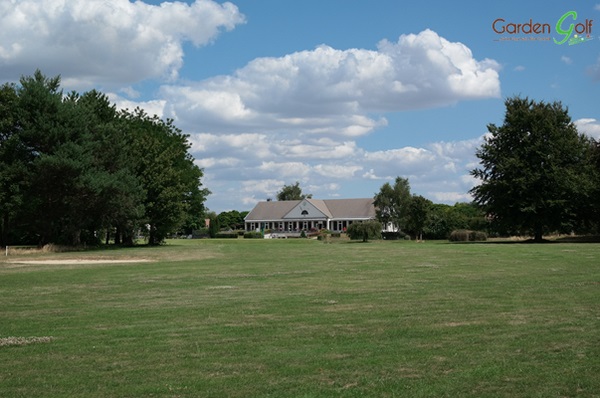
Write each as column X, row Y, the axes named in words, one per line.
column 12, row 163
column 54, row 137
column 364, row 230
column 292, row 192
column 118, row 200
column 166, row 171
column 72, row 166
column 232, row 219
column 535, row 169
column 442, row 219
column 419, row 209
column 392, row 203
column 79, row 177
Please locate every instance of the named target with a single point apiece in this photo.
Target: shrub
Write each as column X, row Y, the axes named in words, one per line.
column 364, row 230
column 226, row 235
column 465, row 235
column 325, row 235
column 200, row 233
column 394, row 235
column 253, row 235
column 478, row 236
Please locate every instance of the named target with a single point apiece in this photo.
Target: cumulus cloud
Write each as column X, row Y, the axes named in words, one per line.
column 274, row 121
column 151, row 107
column 300, row 117
column 337, row 171
column 589, row 126
column 332, row 92
column 439, row 171
column 91, row 42
column 285, row 169
column 451, row 197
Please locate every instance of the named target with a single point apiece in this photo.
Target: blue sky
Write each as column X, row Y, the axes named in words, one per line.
column 341, row 96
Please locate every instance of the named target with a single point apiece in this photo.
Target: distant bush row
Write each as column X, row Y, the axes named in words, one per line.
column 395, row 236
column 236, row 234
column 465, row 235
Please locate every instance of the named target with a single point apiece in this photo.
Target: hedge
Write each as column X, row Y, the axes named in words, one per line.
column 253, row 235
column 226, row 235
column 465, row 235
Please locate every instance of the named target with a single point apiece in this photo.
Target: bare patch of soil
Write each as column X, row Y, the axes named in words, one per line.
column 20, row 341
column 78, row 261
column 15, row 263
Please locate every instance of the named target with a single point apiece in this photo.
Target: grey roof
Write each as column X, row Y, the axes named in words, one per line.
column 351, row 208
column 333, row 208
column 271, row 210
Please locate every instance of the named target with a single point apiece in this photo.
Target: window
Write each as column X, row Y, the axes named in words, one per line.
column 304, row 212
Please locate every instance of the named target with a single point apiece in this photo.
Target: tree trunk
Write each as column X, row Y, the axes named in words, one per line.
column 4, row 231
column 76, row 239
column 127, row 238
column 538, row 234
column 118, row 236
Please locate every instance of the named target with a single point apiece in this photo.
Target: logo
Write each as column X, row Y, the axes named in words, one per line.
column 567, row 29
column 579, row 29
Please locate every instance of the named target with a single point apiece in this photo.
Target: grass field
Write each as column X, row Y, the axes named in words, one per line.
column 302, row 318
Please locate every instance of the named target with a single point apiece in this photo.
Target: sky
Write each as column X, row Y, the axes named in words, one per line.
column 341, row 96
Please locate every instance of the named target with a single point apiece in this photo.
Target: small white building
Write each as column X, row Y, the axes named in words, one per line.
column 306, row 214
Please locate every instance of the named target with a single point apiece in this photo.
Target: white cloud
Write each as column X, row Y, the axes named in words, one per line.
column 267, row 187
column 130, row 92
column 243, row 145
column 299, row 117
column 407, row 161
column 152, row 107
column 217, row 162
column 451, row 197
column 331, row 92
column 285, row 169
column 589, row 126
column 370, row 175
column 566, row 60
column 337, row 171
column 106, row 41
column 456, row 150
column 439, row 171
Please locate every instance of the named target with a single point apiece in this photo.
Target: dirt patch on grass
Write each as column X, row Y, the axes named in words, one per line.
column 74, row 261
column 80, row 261
column 20, row 341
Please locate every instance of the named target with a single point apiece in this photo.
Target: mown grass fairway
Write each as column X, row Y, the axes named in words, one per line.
column 299, row 318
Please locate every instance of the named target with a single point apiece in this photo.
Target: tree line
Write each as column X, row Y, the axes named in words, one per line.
column 538, row 175
column 405, row 213
column 412, row 215
column 75, row 170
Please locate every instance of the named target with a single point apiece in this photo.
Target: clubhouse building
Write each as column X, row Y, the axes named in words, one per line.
column 309, row 214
